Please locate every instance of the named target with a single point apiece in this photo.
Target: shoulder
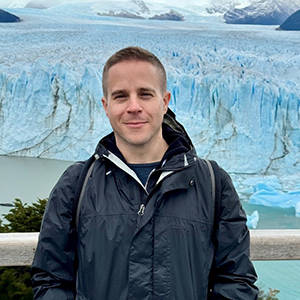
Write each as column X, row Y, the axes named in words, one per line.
column 74, row 169
column 66, row 184
column 217, row 169
column 71, row 174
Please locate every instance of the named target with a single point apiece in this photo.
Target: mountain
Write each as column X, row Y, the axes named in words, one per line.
column 6, row 17
column 171, row 16
column 221, row 6
column 264, row 12
column 137, row 9
column 37, row 4
column 292, row 22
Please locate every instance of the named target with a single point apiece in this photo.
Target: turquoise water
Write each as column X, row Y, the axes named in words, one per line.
column 32, row 178
column 281, row 275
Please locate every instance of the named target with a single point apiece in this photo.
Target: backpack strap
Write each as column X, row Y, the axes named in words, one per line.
column 80, row 188
column 215, row 177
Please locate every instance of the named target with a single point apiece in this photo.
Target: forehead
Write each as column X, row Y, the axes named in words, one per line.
column 133, row 72
column 132, row 64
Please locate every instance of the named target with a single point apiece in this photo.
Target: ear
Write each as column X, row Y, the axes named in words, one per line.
column 104, row 104
column 166, row 99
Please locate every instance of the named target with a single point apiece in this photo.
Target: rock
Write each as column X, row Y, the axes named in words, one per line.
column 6, row 17
column 292, row 22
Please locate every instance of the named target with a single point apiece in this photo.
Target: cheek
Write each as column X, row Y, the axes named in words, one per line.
column 114, row 111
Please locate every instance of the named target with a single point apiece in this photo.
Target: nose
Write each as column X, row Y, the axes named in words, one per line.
column 134, row 104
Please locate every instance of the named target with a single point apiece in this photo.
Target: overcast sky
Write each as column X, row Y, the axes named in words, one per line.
column 22, row 3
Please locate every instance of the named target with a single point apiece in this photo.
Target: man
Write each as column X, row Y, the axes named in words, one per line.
column 145, row 226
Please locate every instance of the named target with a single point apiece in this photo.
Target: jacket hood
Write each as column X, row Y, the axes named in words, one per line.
column 173, row 132
column 170, row 120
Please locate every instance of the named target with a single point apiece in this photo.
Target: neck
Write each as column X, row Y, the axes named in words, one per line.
column 144, row 154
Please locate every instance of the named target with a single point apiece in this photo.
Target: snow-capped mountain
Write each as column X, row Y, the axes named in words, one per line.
column 222, row 6
column 134, row 9
column 137, row 9
column 263, row 12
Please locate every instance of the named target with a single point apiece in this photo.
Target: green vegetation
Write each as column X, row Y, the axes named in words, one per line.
column 15, row 281
column 24, row 218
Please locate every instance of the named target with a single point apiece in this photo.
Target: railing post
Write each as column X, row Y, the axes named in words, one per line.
column 275, row 244
column 17, row 249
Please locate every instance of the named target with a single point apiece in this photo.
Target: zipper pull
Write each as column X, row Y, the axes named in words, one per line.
column 141, row 210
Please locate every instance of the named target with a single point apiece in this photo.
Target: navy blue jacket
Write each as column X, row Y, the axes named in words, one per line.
column 164, row 250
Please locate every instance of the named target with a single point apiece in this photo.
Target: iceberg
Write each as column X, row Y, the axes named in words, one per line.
column 252, row 220
column 297, row 208
column 267, row 196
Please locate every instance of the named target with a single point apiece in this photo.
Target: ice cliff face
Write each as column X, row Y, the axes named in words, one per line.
column 48, row 112
column 244, row 115
column 235, row 89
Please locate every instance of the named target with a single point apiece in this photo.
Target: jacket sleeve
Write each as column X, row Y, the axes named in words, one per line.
column 53, row 269
column 233, row 275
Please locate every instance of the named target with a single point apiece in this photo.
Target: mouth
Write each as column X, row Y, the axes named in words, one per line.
column 135, row 124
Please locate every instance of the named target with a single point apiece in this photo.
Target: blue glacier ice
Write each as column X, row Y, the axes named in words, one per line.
column 268, row 196
column 252, row 220
column 235, row 88
column 297, row 209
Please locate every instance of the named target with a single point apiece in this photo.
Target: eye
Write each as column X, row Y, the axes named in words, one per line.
column 119, row 97
column 146, row 95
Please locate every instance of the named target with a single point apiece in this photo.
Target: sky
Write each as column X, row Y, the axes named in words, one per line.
column 22, row 3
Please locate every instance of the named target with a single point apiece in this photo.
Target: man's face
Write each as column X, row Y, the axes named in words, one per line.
column 135, row 104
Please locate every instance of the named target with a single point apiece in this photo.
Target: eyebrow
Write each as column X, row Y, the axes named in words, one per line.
column 146, row 89
column 142, row 89
column 117, row 92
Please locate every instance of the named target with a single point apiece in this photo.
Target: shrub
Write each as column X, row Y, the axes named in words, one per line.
column 25, row 218
column 15, row 281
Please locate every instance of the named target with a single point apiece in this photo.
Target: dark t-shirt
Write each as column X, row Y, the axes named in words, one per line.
column 143, row 170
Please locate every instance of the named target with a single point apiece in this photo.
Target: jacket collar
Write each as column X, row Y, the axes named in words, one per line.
column 180, row 153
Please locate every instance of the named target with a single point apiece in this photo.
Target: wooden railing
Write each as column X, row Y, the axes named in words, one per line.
column 17, row 249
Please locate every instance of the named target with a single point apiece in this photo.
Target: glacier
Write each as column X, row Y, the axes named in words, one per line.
column 234, row 87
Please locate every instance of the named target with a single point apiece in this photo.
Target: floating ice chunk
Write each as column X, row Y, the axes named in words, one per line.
column 252, row 220
column 297, row 209
column 268, row 196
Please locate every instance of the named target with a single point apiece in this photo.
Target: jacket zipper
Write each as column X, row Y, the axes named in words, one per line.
column 143, row 205
column 140, row 214
column 141, row 210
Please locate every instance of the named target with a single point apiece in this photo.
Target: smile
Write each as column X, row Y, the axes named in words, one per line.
column 135, row 124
